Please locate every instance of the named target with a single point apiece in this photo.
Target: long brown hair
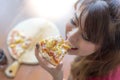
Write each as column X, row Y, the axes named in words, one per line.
column 102, row 26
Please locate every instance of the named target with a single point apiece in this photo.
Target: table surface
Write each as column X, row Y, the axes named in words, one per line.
column 12, row 12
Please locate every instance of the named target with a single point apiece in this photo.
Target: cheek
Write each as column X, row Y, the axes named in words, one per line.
column 87, row 48
column 68, row 27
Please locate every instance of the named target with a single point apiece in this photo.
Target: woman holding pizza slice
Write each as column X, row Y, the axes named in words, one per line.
column 94, row 33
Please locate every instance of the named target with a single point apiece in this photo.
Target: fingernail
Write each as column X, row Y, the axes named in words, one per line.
column 37, row 46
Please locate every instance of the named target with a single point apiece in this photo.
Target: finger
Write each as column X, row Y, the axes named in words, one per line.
column 38, row 56
column 60, row 66
column 41, row 61
column 37, row 46
column 36, row 51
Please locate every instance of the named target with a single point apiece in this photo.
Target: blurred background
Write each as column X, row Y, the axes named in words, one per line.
column 13, row 12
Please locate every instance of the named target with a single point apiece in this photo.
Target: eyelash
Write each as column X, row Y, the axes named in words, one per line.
column 85, row 38
column 72, row 22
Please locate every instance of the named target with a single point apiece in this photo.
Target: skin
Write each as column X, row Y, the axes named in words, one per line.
column 80, row 46
column 75, row 35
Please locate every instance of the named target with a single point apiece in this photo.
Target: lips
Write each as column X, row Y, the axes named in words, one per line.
column 74, row 48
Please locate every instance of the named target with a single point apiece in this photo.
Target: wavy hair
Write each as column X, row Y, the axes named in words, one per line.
column 102, row 26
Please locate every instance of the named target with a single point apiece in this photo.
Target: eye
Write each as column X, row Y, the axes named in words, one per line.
column 72, row 22
column 85, row 37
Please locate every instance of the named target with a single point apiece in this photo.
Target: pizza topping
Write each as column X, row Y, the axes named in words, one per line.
column 18, row 43
column 55, row 47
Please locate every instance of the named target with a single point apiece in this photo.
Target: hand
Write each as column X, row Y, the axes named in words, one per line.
column 57, row 72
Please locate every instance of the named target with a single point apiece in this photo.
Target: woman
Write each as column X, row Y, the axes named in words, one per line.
column 94, row 33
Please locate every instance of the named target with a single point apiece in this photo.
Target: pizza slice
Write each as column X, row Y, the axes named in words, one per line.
column 53, row 49
column 18, row 43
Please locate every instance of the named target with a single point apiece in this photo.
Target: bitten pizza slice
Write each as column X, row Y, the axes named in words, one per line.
column 53, row 49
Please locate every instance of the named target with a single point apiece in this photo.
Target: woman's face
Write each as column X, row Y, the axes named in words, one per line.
column 74, row 34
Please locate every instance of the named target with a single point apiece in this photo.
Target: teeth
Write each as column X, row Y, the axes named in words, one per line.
column 73, row 47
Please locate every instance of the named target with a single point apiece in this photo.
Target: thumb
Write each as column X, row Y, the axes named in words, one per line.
column 37, row 49
column 60, row 66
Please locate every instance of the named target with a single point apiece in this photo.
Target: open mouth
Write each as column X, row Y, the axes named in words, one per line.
column 73, row 48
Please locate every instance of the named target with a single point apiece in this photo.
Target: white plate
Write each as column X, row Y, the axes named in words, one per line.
column 35, row 29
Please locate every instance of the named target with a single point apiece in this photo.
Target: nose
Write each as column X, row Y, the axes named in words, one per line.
column 68, row 29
